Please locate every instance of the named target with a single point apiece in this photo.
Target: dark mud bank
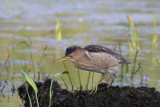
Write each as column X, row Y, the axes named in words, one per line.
column 113, row 96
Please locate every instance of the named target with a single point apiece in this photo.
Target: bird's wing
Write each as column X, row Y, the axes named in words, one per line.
column 104, row 60
column 101, row 54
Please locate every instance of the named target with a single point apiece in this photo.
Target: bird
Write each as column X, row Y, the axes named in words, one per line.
column 94, row 58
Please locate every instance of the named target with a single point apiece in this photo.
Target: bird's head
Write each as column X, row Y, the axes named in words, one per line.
column 71, row 52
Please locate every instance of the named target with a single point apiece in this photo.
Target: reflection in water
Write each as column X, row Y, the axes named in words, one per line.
column 84, row 22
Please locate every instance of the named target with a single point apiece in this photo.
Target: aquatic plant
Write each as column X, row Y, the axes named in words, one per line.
column 64, row 82
column 134, row 66
column 41, row 64
column 51, row 92
column 120, row 51
column 89, row 73
column 2, row 52
column 155, row 36
column 79, row 77
column 28, row 95
column 155, row 42
column 67, row 72
column 53, row 78
column 32, row 83
column 14, row 56
column 134, row 44
column 92, row 79
column 29, row 45
column 58, row 30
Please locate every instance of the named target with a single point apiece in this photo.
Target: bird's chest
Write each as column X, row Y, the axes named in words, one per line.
column 86, row 65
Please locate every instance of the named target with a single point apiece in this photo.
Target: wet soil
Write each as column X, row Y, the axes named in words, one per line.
column 113, row 96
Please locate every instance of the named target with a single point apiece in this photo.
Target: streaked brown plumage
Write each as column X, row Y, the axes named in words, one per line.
column 94, row 58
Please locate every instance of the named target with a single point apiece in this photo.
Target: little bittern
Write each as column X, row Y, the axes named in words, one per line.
column 94, row 58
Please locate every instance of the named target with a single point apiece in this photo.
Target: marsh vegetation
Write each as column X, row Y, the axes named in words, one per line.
column 29, row 42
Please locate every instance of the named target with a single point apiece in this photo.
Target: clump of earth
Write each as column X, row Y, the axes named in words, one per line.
column 113, row 96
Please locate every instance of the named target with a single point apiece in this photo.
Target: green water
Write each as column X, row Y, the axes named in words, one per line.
column 101, row 22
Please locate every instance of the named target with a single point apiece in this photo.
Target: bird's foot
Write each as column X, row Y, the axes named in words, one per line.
column 94, row 90
column 96, row 87
column 108, row 80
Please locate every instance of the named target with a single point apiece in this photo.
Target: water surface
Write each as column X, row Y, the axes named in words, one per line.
column 101, row 22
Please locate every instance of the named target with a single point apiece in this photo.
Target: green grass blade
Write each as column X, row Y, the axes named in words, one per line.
column 64, row 83
column 58, row 30
column 132, row 30
column 134, row 66
column 24, row 68
column 155, row 36
column 133, row 34
column 92, row 79
column 79, row 76
column 158, row 59
column 66, row 72
column 51, row 92
column 127, row 69
column 2, row 51
column 88, row 80
column 129, row 43
column 32, row 83
column 29, row 47
column 28, row 96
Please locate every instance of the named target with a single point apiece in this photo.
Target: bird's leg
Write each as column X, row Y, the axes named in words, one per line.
column 101, row 79
column 104, row 75
column 110, row 79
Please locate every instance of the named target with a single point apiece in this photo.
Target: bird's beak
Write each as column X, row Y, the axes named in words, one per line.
column 62, row 59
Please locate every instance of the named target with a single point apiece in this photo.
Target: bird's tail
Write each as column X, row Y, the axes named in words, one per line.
column 125, row 61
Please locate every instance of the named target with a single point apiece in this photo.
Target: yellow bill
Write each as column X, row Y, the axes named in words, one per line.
column 63, row 59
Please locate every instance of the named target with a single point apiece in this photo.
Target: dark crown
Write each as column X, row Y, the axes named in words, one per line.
column 71, row 49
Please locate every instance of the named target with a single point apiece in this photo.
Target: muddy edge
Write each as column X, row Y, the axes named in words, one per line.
column 113, row 96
